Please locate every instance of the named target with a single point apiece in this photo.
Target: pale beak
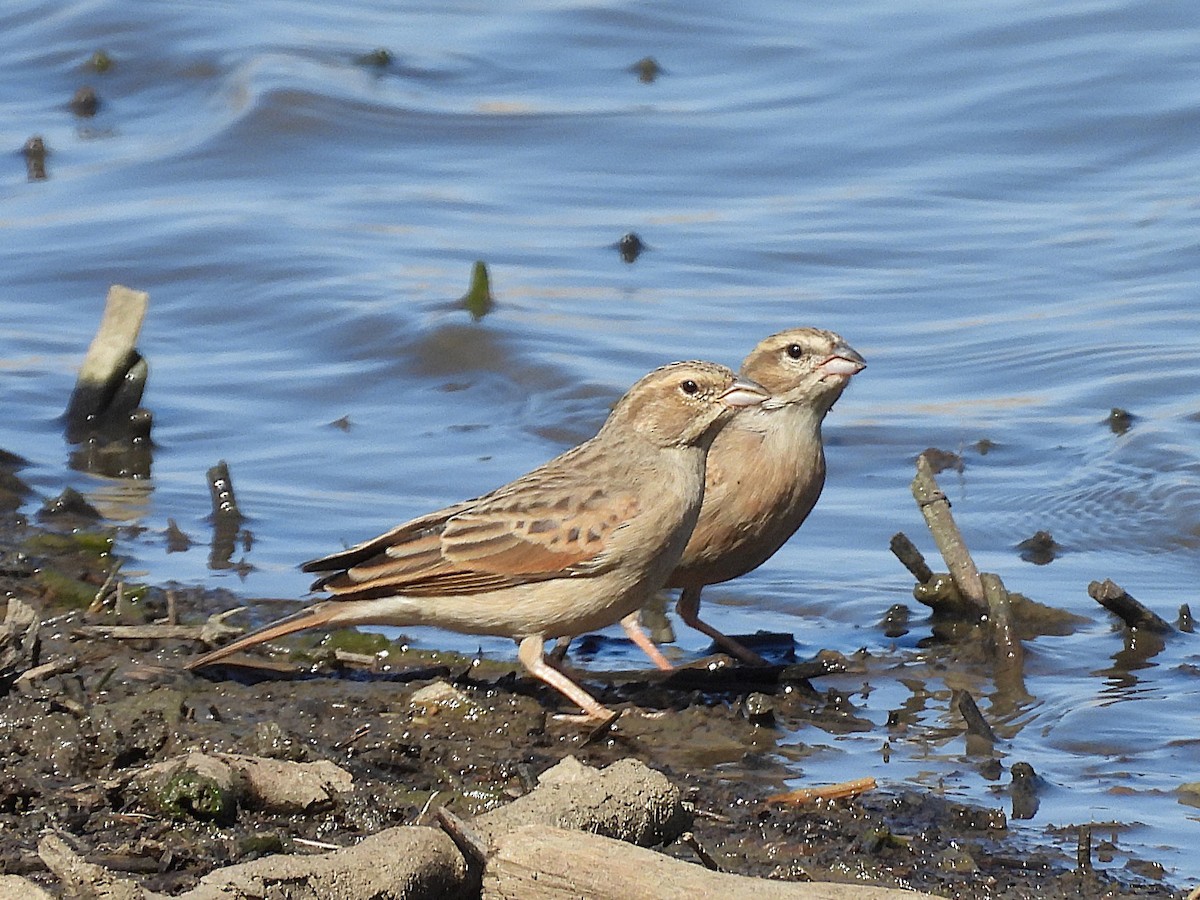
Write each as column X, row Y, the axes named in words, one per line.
column 744, row 392
column 843, row 361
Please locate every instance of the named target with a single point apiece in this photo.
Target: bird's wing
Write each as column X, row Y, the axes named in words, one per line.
column 505, row 539
column 414, row 533
column 561, row 531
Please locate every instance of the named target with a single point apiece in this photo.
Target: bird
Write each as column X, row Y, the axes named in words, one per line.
column 578, row 544
column 766, row 469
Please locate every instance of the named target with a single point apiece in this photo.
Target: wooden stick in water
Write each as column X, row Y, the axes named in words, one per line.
column 112, row 360
column 1113, row 597
column 1010, row 655
column 906, row 551
column 935, row 507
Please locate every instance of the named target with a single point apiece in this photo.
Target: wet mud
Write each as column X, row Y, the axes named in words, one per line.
column 96, row 713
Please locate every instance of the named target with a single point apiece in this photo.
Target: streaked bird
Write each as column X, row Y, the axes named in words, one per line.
column 575, row 545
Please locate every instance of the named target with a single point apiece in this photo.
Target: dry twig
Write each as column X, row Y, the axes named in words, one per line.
column 214, row 631
column 839, row 791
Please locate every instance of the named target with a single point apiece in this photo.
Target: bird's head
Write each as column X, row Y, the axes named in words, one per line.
column 683, row 404
column 803, row 365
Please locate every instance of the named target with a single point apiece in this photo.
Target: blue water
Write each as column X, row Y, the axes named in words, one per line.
column 996, row 204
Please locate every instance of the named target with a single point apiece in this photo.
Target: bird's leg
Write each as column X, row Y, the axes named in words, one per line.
column 688, row 608
column 529, row 652
column 638, row 635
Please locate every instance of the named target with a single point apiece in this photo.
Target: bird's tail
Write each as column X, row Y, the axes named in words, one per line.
column 316, row 616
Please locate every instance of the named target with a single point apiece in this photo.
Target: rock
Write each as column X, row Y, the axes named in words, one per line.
column 627, row 801
column 289, row 787
column 212, row 787
column 441, row 696
column 404, row 863
column 198, row 785
column 14, row 887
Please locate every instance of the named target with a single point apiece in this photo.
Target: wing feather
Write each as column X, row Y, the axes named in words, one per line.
column 559, row 527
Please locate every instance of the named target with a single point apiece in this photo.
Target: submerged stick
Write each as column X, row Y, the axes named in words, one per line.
column 220, row 489
column 1008, row 645
column 226, row 517
column 935, row 507
column 1113, row 597
column 977, row 725
column 1010, row 655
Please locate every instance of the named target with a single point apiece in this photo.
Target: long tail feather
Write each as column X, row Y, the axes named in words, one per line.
column 316, row 616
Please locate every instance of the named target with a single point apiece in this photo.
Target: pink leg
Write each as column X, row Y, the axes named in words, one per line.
column 688, row 608
column 529, row 651
column 638, row 635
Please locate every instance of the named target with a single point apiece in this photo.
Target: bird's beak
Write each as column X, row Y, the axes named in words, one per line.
column 844, row 360
column 744, row 392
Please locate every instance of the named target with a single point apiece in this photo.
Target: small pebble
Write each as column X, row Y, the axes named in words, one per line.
column 647, row 69
column 35, row 147
column 380, row 58
column 956, row 859
column 895, row 621
column 100, row 61
column 941, row 460
column 177, row 540
column 760, row 709
column 1024, row 790
column 35, row 153
column 630, row 247
column 69, row 503
column 1147, row 869
column 1119, row 420
column 1040, row 549
column 85, row 103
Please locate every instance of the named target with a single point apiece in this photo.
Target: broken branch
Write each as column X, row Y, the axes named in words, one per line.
column 1114, row 598
column 935, row 507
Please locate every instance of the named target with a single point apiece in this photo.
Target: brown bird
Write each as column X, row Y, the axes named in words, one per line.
column 766, row 468
column 575, row 545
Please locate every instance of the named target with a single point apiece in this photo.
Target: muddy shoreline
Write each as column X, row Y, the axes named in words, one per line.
column 418, row 731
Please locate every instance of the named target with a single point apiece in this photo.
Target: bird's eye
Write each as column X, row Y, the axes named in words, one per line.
column 689, row 387
column 795, row 351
